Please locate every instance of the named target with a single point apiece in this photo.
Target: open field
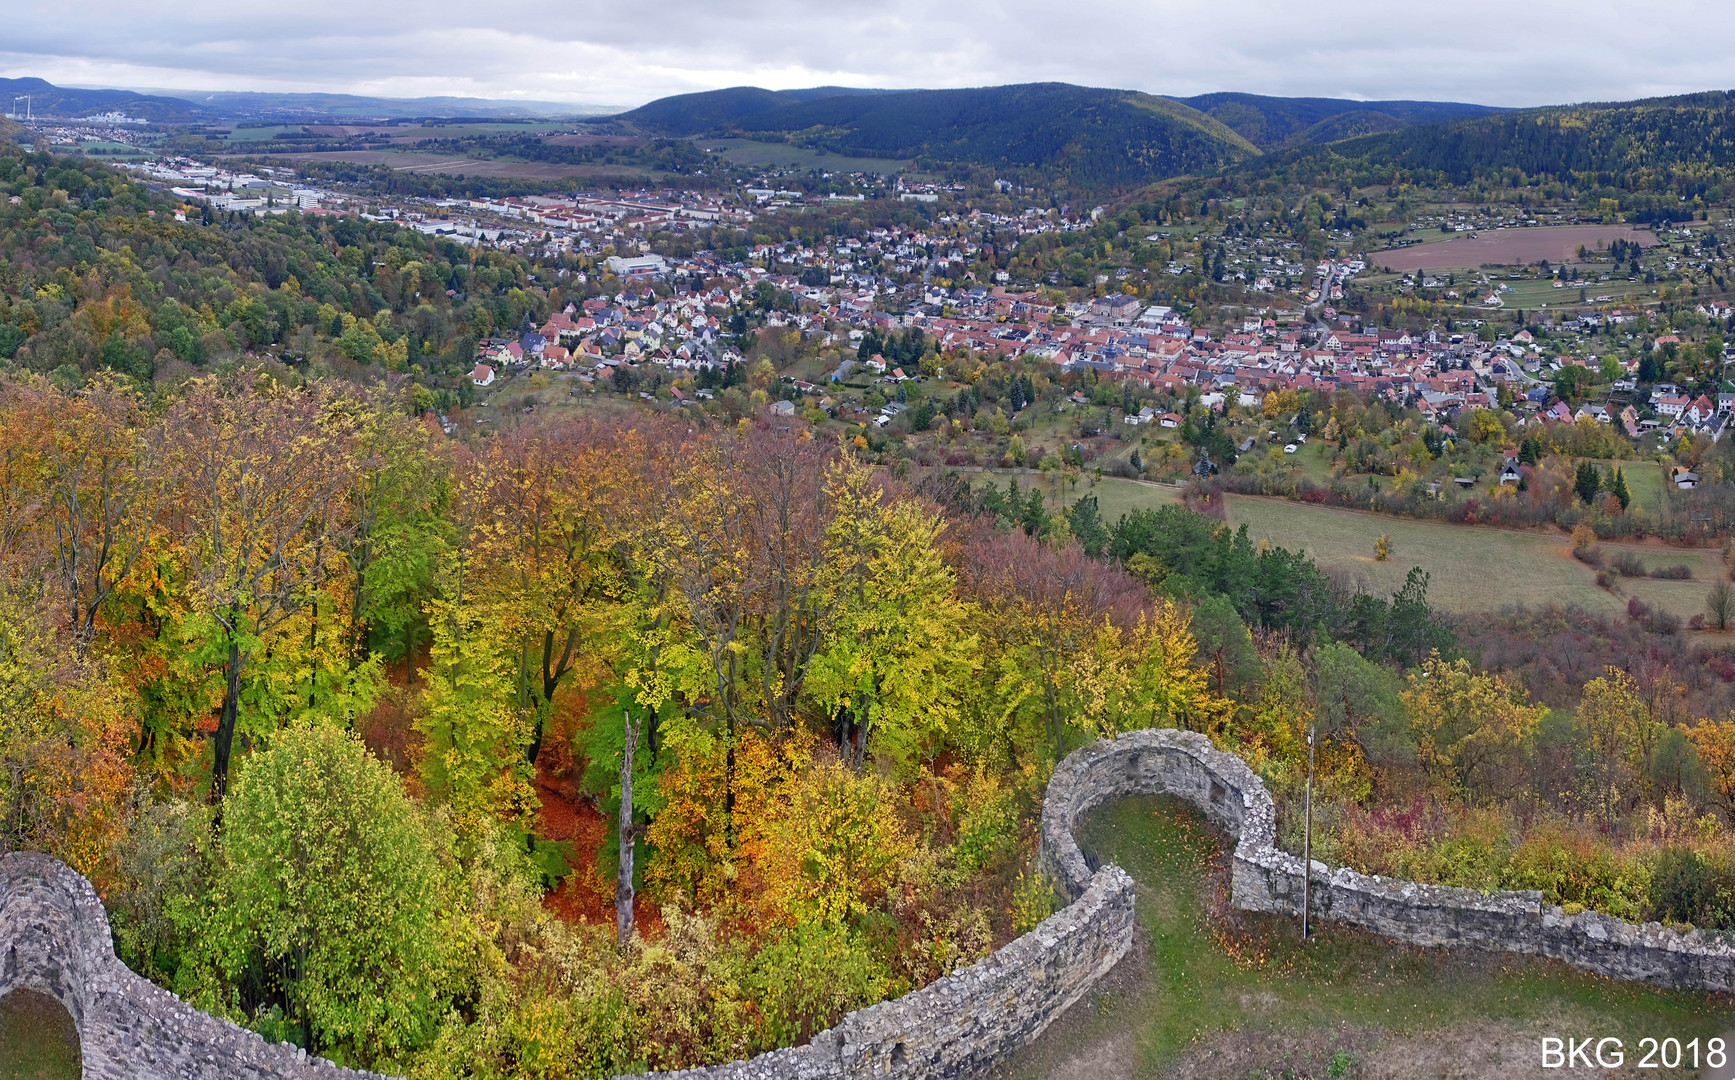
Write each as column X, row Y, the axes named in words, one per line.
column 461, row 166
column 1469, row 568
column 1533, row 295
column 1115, row 495
column 37, row 1038
column 395, row 133
column 1214, row 995
column 777, row 155
column 1645, row 480
column 1472, row 568
column 409, row 133
column 1508, row 247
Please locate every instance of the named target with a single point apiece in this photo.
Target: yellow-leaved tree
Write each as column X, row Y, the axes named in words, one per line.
column 835, row 847
column 1470, row 727
column 899, row 655
column 1618, row 725
column 475, row 731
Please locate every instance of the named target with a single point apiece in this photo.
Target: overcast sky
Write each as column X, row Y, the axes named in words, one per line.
column 1494, row 52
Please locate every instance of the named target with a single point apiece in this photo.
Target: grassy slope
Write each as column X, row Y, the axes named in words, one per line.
column 1246, row 999
column 1471, row 568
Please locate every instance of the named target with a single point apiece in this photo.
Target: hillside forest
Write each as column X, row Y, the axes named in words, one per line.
column 277, row 654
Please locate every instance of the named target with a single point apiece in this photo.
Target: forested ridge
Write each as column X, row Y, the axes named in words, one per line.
column 1085, row 136
column 1675, row 146
column 1274, row 122
column 95, row 273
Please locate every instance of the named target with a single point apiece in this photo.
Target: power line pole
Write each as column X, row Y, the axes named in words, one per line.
column 1307, row 840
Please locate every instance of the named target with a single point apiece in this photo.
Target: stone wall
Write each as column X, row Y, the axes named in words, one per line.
column 54, row 937
column 1266, row 879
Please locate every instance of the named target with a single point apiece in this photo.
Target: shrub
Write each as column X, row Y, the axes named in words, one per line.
column 1637, row 609
column 1697, row 622
column 808, row 977
column 1628, row 564
column 1678, row 572
column 333, row 878
column 1681, row 886
column 1605, row 580
column 1034, row 899
column 1664, row 622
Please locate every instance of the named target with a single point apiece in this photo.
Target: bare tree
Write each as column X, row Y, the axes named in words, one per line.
column 742, row 541
column 1720, row 604
column 623, row 889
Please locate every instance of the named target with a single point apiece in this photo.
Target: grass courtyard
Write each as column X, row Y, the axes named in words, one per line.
column 37, row 1038
column 1221, row 994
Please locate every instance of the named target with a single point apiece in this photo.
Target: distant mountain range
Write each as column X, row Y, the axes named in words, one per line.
column 305, row 107
column 189, row 107
column 64, row 103
column 1091, row 136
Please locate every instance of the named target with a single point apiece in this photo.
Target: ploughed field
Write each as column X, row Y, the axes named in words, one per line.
column 1509, row 247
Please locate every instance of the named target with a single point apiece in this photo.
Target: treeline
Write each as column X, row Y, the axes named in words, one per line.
column 662, row 155
column 1180, row 553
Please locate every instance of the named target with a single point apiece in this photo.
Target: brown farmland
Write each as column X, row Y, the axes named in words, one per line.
column 1509, row 247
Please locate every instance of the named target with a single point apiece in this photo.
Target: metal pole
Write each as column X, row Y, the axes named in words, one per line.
column 1307, row 840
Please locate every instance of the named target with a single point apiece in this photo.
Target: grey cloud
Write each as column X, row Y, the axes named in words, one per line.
column 1509, row 52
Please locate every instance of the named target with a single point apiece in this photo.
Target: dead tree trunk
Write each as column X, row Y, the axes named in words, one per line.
column 623, row 890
